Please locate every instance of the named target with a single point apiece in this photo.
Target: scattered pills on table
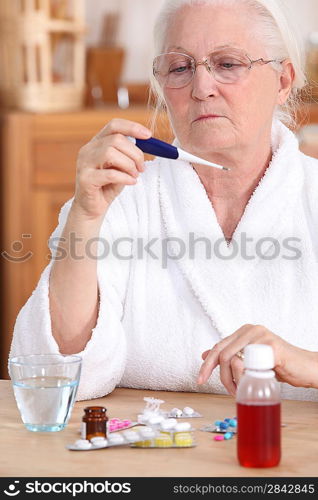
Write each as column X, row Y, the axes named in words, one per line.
column 219, row 437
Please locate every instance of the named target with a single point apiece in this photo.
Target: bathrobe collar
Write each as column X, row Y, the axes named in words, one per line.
column 217, row 281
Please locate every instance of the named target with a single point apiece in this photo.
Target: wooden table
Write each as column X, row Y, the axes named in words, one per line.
column 28, row 454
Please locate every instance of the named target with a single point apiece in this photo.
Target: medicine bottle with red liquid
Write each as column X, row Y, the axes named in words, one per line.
column 258, row 409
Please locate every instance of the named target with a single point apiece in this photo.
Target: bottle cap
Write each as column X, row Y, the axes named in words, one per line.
column 259, row 357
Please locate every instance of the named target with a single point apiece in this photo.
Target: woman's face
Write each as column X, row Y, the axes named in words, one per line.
column 244, row 109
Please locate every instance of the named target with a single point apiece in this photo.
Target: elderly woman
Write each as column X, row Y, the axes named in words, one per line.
column 174, row 259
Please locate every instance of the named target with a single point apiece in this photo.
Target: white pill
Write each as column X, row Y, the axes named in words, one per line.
column 142, row 419
column 182, row 426
column 83, row 444
column 116, row 439
column 169, row 423
column 188, row 411
column 147, row 433
column 99, row 441
column 176, row 412
column 156, row 420
column 132, row 436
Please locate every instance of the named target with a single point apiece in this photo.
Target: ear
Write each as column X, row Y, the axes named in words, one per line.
column 286, row 79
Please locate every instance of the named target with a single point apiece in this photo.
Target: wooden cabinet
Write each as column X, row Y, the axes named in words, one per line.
column 38, row 165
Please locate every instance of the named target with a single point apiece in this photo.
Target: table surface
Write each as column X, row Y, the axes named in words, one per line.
column 29, row 454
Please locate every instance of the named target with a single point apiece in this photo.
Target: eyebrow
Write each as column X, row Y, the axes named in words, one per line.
column 219, row 47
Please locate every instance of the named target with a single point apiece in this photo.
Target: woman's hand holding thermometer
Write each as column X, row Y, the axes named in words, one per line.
column 113, row 159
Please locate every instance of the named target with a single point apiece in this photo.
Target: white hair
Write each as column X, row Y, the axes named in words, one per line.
column 281, row 41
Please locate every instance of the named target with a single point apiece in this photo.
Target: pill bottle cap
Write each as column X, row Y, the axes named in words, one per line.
column 258, row 357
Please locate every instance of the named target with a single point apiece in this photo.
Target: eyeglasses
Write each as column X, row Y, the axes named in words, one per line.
column 175, row 70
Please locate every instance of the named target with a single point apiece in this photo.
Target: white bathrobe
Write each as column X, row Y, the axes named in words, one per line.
column 159, row 312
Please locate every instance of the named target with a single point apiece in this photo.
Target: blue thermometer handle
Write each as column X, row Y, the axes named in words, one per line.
column 156, row 147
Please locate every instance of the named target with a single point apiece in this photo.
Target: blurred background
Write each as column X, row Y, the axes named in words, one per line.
column 67, row 68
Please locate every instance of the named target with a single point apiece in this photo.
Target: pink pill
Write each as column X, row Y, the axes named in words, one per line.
column 218, row 438
column 127, row 422
column 120, row 425
column 113, row 420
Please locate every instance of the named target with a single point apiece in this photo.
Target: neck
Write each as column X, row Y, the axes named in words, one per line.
column 238, row 184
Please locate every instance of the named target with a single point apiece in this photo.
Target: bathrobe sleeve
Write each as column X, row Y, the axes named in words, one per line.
column 104, row 356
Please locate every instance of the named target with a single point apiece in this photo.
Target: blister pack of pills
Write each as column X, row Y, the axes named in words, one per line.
column 228, row 425
column 187, row 412
column 114, row 439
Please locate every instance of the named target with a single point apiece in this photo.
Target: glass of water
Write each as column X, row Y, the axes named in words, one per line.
column 45, row 387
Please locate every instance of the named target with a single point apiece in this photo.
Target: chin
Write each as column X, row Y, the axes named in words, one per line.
column 205, row 144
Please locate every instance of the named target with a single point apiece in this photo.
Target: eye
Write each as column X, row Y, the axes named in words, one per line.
column 181, row 67
column 228, row 64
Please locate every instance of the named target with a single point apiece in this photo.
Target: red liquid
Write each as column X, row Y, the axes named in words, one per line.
column 258, row 435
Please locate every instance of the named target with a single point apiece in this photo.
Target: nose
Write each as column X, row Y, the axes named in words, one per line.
column 204, row 82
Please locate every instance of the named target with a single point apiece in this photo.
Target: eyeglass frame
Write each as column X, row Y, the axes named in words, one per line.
column 205, row 63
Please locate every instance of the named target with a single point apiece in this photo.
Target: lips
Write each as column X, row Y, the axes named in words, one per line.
column 205, row 117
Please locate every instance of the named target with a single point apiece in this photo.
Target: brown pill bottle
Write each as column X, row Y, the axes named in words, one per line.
column 94, row 422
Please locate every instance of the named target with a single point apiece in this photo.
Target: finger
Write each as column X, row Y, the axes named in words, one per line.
column 122, row 144
column 237, row 369
column 125, row 127
column 205, row 354
column 120, row 161
column 100, row 178
column 211, row 360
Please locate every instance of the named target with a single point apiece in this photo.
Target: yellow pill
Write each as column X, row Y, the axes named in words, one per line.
column 183, row 439
column 143, row 444
column 163, row 440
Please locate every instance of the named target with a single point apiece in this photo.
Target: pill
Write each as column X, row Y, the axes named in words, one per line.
column 168, row 423
column 183, row 439
column 147, row 432
column 233, row 422
column 156, row 420
column 228, row 435
column 182, row 426
column 223, row 425
column 217, row 423
column 127, row 422
column 227, row 420
column 116, row 439
column 176, row 412
column 131, row 436
column 83, row 444
column 188, row 411
column 218, row 438
column 163, row 440
column 101, row 442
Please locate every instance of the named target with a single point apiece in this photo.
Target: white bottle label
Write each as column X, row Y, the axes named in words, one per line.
column 83, row 430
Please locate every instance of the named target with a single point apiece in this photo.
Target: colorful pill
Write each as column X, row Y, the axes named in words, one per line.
column 218, row 438
column 223, row 425
column 233, row 422
column 227, row 420
column 217, row 423
column 228, row 435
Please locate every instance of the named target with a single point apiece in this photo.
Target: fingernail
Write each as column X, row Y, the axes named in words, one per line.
column 145, row 132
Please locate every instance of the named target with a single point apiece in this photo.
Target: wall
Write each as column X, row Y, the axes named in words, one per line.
column 138, row 17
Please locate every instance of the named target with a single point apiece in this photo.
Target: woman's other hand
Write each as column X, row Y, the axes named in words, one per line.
column 293, row 365
column 106, row 164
